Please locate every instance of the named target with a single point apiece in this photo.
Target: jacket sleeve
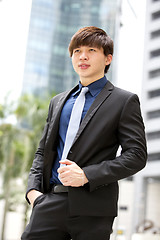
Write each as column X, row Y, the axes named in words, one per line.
column 131, row 137
column 36, row 171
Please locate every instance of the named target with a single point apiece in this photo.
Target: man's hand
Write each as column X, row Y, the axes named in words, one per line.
column 71, row 174
column 32, row 195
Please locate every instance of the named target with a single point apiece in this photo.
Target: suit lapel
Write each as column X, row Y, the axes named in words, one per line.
column 103, row 95
column 53, row 126
column 60, row 104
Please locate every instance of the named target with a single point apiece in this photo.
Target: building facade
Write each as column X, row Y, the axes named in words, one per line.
column 48, row 65
column 151, row 80
column 147, row 188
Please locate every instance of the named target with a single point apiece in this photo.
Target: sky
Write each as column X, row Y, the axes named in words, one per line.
column 14, row 25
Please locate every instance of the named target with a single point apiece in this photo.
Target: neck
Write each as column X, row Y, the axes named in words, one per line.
column 86, row 81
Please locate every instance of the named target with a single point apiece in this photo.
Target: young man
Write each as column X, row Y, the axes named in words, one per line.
column 73, row 180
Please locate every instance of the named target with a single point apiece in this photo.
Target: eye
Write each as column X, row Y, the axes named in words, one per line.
column 76, row 51
column 92, row 50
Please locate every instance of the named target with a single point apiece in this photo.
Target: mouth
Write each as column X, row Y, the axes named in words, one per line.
column 83, row 66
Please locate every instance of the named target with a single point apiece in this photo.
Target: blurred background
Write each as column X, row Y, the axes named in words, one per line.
column 35, row 65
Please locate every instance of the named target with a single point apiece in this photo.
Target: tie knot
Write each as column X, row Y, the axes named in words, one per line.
column 84, row 90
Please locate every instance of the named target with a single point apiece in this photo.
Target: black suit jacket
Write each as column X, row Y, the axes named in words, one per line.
column 113, row 120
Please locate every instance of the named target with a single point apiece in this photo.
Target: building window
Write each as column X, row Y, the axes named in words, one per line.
column 154, row 156
column 76, row 6
column 156, row 15
column 154, row 73
column 154, row 93
column 39, row 45
column 45, row 3
column 155, row 34
column 42, row 23
column 153, row 114
column 153, row 135
column 155, row 53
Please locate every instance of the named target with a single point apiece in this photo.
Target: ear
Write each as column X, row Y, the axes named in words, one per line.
column 108, row 59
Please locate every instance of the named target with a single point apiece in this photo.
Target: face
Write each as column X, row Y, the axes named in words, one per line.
column 89, row 63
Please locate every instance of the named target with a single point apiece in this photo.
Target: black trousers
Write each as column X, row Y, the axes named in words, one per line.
column 50, row 220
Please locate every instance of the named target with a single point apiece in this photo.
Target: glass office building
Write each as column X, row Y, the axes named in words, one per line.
column 48, row 65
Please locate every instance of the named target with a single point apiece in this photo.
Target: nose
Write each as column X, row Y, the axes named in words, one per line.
column 83, row 55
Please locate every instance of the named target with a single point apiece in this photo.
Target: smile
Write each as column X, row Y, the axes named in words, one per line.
column 84, row 66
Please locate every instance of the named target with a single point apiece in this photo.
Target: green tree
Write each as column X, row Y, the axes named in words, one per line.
column 8, row 164
column 18, row 144
column 31, row 113
column 11, row 151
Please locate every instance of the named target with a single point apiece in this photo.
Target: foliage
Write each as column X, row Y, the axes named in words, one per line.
column 7, row 108
column 18, row 144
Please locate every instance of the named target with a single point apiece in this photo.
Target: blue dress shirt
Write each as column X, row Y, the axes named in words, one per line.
column 94, row 89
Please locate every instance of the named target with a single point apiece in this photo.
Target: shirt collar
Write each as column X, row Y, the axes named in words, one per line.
column 95, row 87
